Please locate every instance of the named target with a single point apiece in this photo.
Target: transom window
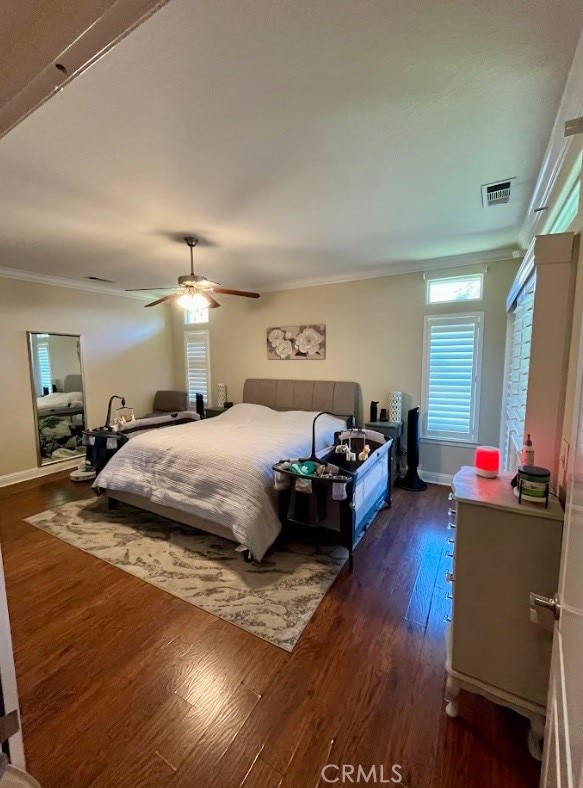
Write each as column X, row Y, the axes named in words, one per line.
column 455, row 288
column 192, row 316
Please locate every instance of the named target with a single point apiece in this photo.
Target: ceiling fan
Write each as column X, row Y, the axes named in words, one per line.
column 194, row 291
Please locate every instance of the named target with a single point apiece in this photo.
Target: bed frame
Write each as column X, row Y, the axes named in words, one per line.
column 313, row 395
column 339, row 397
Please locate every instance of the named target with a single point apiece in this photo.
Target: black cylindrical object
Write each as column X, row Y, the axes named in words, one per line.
column 383, row 416
column 200, row 405
column 374, row 410
column 411, row 480
column 102, row 444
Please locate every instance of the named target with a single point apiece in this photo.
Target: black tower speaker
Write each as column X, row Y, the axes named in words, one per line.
column 411, row 480
column 200, row 405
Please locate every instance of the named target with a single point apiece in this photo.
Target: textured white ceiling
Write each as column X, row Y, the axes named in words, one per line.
column 301, row 138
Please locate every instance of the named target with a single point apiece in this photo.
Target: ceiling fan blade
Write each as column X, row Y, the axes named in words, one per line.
column 226, row 291
column 171, row 297
column 147, row 289
column 213, row 303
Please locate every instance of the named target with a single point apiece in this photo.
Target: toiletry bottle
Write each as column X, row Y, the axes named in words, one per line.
column 527, row 453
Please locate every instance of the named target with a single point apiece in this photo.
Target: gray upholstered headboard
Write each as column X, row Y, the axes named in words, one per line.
column 339, row 397
column 73, row 383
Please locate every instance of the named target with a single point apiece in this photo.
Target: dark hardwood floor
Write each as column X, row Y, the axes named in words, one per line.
column 122, row 684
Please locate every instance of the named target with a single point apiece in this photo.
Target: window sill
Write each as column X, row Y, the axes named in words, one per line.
column 450, row 442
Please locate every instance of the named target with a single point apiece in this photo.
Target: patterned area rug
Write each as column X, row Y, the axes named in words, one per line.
column 273, row 600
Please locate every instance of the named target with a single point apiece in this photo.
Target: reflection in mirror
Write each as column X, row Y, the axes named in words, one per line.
column 58, row 395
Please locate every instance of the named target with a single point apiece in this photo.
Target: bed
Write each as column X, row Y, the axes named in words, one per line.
column 63, row 403
column 216, row 475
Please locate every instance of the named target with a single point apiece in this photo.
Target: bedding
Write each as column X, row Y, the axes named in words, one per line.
column 59, row 400
column 138, row 426
column 60, row 437
column 220, row 469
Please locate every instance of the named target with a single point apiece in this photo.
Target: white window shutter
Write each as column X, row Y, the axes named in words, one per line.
column 451, row 376
column 44, row 365
column 196, row 347
column 517, row 369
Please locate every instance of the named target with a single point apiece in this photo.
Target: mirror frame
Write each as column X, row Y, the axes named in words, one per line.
column 29, row 336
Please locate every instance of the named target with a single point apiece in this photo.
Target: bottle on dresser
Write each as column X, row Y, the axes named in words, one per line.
column 527, row 452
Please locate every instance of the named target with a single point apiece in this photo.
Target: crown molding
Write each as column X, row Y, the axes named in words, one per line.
column 114, row 24
column 571, row 106
column 73, row 284
column 407, row 267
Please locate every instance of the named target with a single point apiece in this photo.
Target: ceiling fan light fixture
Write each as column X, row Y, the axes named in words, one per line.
column 193, row 300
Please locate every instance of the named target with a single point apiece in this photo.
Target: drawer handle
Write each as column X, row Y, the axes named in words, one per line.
column 451, row 526
column 449, row 577
column 452, row 512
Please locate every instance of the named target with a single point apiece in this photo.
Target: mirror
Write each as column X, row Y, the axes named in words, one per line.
column 58, row 395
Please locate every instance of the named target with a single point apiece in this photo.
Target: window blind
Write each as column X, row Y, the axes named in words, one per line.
column 197, row 365
column 44, row 365
column 451, row 376
column 517, row 368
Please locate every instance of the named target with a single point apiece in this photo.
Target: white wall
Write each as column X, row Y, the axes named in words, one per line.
column 126, row 350
column 374, row 337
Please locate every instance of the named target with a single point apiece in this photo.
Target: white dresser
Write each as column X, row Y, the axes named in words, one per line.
column 497, row 646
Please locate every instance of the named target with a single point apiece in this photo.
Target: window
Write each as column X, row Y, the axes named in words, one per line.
column 455, row 288
column 516, row 377
column 44, row 365
column 451, row 371
column 196, row 316
column 196, row 348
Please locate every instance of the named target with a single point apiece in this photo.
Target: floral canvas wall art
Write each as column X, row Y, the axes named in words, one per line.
column 292, row 343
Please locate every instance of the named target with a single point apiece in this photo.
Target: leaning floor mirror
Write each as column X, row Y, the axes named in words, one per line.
column 58, row 395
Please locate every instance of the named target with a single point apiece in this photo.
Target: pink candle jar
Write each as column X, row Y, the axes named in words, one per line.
column 487, row 461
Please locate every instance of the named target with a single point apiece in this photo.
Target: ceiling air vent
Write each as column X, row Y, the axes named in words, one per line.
column 496, row 193
column 99, row 279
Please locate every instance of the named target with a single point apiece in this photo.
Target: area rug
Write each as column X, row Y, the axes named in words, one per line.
column 273, row 600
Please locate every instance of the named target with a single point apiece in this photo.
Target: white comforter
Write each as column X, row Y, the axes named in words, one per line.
column 220, row 468
column 59, row 400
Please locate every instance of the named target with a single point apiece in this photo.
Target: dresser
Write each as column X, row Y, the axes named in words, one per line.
column 497, row 645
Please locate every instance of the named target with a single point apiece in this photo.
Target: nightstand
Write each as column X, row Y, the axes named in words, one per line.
column 394, row 430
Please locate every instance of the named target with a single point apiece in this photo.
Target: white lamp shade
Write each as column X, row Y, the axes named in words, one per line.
column 193, row 300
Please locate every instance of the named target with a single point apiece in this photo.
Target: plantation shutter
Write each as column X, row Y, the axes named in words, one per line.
column 518, row 364
column 196, row 347
column 451, row 372
column 44, row 365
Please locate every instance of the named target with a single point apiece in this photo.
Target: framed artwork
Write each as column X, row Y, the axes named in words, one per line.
column 294, row 343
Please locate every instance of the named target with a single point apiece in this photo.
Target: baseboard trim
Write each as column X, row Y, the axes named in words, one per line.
column 436, row 478
column 36, row 473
